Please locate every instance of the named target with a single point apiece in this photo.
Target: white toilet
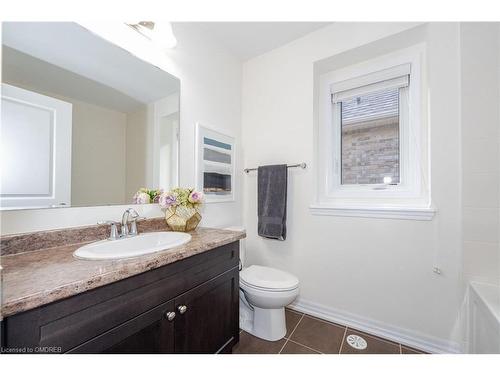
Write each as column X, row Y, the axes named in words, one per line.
column 264, row 293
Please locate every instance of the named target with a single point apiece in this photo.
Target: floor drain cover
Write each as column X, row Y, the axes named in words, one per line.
column 357, row 342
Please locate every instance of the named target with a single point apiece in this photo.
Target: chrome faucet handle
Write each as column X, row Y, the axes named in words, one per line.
column 133, row 225
column 113, row 234
column 126, row 219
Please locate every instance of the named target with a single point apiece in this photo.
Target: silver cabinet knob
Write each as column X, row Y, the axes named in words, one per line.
column 170, row 315
column 182, row 309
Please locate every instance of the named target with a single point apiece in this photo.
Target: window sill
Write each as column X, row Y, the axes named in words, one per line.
column 401, row 213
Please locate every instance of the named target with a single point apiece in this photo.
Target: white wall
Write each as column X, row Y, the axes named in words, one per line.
column 144, row 130
column 98, row 166
column 168, row 151
column 160, row 109
column 136, row 151
column 376, row 272
column 480, row 151
column 210, row 93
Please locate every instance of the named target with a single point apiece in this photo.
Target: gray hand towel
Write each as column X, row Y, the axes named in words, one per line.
column 271, row 195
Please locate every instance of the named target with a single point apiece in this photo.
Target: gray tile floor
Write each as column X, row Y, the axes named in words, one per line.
column 310, row 335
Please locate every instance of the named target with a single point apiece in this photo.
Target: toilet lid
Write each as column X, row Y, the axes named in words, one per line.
column 268, row 278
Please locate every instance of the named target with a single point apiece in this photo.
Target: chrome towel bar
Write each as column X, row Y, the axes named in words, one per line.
column 301, row 165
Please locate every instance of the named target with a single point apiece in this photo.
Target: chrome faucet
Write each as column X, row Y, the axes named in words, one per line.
column 124, row 226
column 129, row 216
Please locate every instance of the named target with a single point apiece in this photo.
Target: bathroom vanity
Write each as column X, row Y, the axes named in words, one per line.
column 183, row 300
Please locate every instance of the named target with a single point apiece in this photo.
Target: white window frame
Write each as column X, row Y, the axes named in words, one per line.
column 336, row 188
column 410, row 199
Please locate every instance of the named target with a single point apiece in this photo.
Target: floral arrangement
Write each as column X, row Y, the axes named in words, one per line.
column 145, row 196
column 180, row 197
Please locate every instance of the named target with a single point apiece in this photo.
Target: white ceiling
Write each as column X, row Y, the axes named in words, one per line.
column 75, row 49
column 246, row 40
column 28, row 72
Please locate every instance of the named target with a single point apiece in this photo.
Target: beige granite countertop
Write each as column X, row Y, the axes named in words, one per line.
column 36, row 278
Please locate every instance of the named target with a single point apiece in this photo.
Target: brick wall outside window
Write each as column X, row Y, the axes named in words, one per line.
column 370, row 151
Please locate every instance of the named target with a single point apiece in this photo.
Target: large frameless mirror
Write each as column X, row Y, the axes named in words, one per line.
column 84, row 122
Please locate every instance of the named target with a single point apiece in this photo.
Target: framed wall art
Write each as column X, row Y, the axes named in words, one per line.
column 215, row 164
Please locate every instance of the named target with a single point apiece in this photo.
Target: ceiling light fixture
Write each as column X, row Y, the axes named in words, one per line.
column 160, row 33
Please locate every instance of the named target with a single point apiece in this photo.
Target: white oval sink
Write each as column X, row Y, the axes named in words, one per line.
column 129, row 247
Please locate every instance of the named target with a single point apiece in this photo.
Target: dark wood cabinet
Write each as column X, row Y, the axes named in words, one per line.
column 190, row 306
column 211, row 316
column 147, row 333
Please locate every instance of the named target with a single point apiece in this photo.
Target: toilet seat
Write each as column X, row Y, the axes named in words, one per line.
column 248, row 287
column 267, row 279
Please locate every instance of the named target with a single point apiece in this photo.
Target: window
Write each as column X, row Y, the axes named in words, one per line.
column 370, row 153
column 370, row 138
column 368, row 112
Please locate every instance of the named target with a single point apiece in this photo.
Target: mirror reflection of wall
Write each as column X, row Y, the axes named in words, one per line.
column 77, row 131
column 169, row 139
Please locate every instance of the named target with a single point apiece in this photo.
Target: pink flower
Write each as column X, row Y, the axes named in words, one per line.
column 167, row 200
column 195, row 197
column 141, row 198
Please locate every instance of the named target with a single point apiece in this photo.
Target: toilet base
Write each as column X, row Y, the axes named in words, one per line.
column 267, row 324
column 246, row 314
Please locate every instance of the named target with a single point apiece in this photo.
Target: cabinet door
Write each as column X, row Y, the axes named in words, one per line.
column 207, row 316
column 150, row 332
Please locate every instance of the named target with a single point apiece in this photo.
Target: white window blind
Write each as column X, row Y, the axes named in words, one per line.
column 396, row 77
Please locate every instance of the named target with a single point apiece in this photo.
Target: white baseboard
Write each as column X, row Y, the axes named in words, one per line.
column 406, row 337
